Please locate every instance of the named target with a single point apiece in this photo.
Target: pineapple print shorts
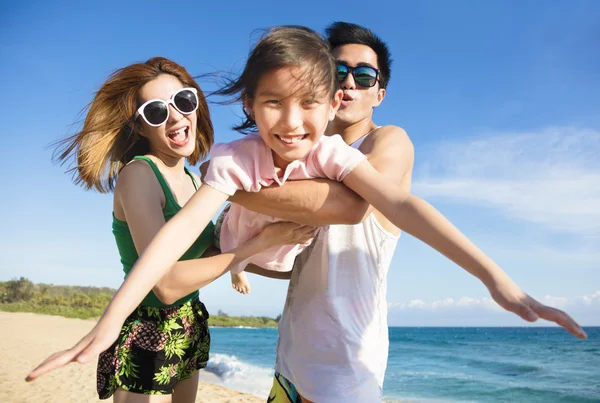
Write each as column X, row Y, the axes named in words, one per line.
column 157, row 348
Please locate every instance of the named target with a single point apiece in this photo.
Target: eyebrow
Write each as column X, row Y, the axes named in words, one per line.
column 269, row 93
column 357, row 64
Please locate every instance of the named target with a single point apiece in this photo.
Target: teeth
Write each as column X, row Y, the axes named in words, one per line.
column 178, row 135
column 176, row 132
column 291, row 140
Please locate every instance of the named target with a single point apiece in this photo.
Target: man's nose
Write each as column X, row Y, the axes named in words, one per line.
column 348, row 83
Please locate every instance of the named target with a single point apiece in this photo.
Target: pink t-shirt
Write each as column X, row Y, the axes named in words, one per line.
column 247, row 164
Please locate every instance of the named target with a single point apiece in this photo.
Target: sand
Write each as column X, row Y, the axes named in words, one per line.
column 26, row 339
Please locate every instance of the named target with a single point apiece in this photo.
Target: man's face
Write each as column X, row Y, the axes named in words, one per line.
column 358, row 102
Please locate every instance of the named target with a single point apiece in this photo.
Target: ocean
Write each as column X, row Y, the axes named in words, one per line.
column 431, row 365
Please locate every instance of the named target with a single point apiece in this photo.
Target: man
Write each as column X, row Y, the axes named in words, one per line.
column 333, row 331
column 333, row 335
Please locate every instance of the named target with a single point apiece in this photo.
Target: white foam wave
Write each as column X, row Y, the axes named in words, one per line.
column 239, row 375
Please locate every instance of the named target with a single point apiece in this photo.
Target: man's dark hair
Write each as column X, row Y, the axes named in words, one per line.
column 343, row 33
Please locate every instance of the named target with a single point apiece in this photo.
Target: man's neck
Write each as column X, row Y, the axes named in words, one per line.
column 350, row 132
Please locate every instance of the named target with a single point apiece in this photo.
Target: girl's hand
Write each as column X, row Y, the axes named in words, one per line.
column 510, row 297
column 286, row 233
column 95, row 342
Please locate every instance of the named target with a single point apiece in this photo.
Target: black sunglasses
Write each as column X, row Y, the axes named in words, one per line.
column 365, row 76
column 156, row 111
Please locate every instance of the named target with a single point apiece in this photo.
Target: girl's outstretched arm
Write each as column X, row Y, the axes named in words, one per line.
column 417, row 217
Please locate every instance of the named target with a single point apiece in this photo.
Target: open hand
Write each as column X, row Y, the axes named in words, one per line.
column 510, row 297
column 287, row 233
column 95, row 342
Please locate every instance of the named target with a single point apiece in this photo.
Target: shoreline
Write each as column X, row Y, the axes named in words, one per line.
column 28, row 338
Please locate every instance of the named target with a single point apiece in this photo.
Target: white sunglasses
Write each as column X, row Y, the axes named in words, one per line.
column 156, row 111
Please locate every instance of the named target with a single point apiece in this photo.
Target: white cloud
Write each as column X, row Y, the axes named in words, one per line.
column 551, row 177
column 416, row 303
column 447, row 303
column 593, row 299
column 442, row 303
column 586, row 301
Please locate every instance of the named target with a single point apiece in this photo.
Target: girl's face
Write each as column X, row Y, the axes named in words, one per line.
column 176, row 137
column 290, row 118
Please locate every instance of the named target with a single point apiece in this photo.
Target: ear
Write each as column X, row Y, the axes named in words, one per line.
column 336, row 101
column 379, row 97
column 138, row 128
column 247, row 103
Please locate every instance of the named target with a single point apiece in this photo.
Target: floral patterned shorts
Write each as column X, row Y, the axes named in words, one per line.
column 157, row 348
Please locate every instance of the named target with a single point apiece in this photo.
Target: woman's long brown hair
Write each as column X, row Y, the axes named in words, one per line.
column 109, row 137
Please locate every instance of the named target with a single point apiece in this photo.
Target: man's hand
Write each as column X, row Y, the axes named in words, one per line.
column 510, row 297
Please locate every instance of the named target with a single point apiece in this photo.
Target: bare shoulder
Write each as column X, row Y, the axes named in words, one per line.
column 389, row 138
column 135, row 176
column 390, row 133
column 136, row 170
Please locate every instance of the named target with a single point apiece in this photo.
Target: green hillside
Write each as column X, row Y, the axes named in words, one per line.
column 87, row 302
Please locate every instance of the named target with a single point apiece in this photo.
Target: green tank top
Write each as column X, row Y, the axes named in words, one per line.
column 126, row 247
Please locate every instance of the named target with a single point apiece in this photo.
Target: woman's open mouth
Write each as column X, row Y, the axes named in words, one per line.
column 179, row 137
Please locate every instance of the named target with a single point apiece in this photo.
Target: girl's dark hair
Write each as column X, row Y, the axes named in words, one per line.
column 281, row 47
column 108, row 139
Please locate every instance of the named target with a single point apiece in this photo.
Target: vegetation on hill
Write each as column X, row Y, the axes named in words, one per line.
column 88, row 302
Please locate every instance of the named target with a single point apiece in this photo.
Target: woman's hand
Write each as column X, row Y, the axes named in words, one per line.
column 286, row 233
column 510, row 297
column 102, row 336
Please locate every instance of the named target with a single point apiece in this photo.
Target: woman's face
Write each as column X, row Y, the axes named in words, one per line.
column 177, row 136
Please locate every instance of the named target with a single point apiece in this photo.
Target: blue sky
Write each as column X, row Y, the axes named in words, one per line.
column 499, row 98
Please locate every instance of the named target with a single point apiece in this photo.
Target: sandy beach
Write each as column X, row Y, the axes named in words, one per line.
column 26, row 339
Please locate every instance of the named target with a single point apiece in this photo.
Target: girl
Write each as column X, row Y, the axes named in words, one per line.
column 289, row 92
column 142, row 125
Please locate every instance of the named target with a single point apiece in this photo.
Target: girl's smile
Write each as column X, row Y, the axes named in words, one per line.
column 291, row 116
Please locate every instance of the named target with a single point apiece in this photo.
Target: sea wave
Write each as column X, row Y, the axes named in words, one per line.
column 239, row 375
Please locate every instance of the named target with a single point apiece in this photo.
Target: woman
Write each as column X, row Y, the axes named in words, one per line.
column 146, row 120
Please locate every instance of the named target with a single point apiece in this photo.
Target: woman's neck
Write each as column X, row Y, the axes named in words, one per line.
column 174, row 165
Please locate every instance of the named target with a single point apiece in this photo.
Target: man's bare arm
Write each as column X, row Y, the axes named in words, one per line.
column 320, row 202
column 390, row 151
column 279, row 275
column 316, row 202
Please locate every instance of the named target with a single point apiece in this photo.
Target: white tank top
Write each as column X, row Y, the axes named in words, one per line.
column 333, row 334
